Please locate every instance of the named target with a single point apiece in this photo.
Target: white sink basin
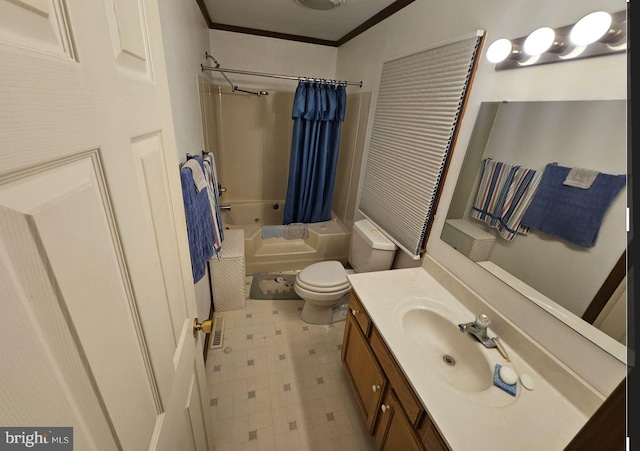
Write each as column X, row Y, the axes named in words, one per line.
column 456, row 357
column 429, row 333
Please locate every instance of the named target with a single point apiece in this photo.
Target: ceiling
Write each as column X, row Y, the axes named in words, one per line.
column 287, row 19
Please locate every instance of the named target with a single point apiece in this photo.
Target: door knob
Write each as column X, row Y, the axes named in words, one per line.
column 205, row 326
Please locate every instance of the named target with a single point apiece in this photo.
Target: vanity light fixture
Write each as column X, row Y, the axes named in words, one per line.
column 502, row 49
column 597, row 26
column 596, row 34
column 539, row 41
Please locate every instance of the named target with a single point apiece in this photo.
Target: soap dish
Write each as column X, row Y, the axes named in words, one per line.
column 509, row 388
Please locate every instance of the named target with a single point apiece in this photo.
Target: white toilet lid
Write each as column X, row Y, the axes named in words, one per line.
column 329, row 275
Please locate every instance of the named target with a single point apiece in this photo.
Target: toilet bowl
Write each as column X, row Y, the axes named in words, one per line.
column 324, row 285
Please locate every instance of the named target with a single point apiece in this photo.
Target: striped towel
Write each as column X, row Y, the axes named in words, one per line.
column 212, row 179
column 503, row 195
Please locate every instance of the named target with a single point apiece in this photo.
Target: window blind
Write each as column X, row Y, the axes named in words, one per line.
column 419, row 104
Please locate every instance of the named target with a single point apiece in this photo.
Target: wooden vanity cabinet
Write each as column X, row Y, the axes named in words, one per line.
column 367, row 378
column 392, row 411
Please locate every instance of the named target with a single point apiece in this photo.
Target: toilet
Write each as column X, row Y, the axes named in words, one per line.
column 324, row 285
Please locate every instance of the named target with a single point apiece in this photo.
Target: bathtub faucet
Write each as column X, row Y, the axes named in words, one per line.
column 225, row 207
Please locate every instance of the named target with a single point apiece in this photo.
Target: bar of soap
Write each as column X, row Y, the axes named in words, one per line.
column 508, row 376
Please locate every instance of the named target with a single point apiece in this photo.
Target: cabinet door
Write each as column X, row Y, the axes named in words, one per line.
column 433, row 440
column 394, row 432
column 366, row 376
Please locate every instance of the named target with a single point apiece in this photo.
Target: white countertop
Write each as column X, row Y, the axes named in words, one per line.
column 492, row 420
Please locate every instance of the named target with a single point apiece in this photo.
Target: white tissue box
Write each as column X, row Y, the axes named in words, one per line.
column 470, row 239
column 228, row 274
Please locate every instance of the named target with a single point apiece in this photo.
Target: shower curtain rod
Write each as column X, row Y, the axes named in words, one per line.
column 234, row 87
column 286, row 77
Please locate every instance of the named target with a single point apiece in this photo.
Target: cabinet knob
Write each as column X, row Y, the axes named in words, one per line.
column 375, row 388
column 385, row 408
column 354, row 312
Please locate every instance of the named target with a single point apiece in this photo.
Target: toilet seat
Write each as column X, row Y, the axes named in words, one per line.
column 328, row 298
column 324, row 277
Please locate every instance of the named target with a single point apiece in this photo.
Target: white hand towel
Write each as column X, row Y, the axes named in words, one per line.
column 199, row 179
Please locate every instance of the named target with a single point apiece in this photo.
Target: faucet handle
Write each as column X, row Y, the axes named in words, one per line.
column 482, row 320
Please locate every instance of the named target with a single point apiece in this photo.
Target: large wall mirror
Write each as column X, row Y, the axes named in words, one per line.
column 561, row 277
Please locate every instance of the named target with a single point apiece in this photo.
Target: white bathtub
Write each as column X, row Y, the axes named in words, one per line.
column 249, row 214
column 328, row 240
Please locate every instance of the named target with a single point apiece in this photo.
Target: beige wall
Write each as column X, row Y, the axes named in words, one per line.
column 208, row 92
column 350, row 160
column 185, row 38
column 251, row 138
column 270, row 55
column 423, row 25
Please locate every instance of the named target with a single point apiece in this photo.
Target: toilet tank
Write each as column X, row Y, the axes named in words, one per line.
column 370, row 249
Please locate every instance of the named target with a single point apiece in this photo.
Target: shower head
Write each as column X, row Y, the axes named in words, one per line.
column 262, row 93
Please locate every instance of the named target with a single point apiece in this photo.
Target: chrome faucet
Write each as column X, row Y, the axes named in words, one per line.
column 478, row 329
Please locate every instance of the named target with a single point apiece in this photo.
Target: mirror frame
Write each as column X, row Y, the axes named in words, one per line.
column 607, row 289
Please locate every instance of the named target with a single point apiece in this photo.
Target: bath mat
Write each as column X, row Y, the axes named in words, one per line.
column 273, row 286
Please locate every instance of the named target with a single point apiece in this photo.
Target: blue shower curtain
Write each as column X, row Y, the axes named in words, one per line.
column 318, row 112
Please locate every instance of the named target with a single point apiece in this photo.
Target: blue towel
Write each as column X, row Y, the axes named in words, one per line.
column 571, row 213
column 272, row 231
column 199, row 224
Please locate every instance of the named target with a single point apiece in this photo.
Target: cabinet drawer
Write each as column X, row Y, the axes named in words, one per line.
column 406, row 396
column 359, row 313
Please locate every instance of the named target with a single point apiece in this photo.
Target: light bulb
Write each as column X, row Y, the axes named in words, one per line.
column 539, row 41
column 499, row 50
column 591, row 28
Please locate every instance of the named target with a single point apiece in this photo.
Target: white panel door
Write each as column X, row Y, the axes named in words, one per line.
column 96, row 290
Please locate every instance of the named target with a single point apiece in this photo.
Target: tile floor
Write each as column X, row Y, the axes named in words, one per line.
column 277, row 383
